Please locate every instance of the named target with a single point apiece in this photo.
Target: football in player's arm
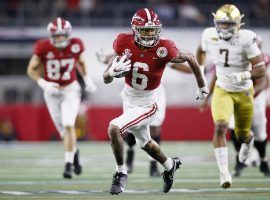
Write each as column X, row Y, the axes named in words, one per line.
column 57, row 57
column 238, row 59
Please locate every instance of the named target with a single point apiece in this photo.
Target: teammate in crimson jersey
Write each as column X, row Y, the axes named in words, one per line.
column 141, row 57
column 58, row 57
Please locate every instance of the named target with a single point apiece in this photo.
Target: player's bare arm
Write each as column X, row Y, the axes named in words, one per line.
column 183, row 57
column 181, row 67
column 258, row 67
column 33, row 70
column 82, row 68
column 106, row 76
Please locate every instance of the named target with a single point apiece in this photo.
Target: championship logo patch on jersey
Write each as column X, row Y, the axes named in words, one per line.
column 50, row 55
column 162, row 52
column 75, row 48
column 127, row 53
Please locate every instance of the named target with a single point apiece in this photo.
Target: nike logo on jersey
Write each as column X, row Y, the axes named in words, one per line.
column 115, row 70
column 155, row 58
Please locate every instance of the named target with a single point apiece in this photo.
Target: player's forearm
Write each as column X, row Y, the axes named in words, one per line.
column 258, row 72
column 34, row 74
column 196, row 71
column 107, row 78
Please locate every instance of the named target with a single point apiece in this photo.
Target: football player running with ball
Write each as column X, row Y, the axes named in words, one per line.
column 238, row 61
column 58, row 56
column 145, row 56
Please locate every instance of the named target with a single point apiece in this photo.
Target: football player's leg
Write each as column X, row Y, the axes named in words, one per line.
column 70, row 108
column 144, row 141
column 53, row 103
column 238, row 168
column 130, row 140
column 243, row 112
column 155, row 126
column 222, row 108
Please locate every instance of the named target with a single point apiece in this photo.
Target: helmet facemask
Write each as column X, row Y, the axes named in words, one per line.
column 226, row 29
column 59, row 40
column 147, row 36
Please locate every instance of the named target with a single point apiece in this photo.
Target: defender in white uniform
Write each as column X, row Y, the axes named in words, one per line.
column 237, row 59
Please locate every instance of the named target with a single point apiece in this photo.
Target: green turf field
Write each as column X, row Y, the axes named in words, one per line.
column 34, row 171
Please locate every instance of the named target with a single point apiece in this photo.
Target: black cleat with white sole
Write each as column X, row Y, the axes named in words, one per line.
column 169, row 175
column 118, row 183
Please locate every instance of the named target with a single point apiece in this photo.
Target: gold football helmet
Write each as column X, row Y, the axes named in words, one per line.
column 227, row 21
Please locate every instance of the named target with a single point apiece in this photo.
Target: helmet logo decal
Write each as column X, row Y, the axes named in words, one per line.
column 162, row 52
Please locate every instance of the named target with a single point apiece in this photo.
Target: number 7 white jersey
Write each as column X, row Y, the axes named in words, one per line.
column 231, row 56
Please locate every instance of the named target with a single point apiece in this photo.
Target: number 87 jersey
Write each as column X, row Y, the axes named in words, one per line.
column 230, row 56
column 59, row 64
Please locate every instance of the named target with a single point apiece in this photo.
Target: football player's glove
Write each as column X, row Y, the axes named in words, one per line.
column 239, row 76
column 90, row 86
column 119, row 66
column 50, row 87
column 202, row 93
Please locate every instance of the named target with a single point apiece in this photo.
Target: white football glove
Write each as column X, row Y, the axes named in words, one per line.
column 49, row 87
column 90, row 86
column 202, row 93
column 239, row 76
column 101, row 56
column 119, row 67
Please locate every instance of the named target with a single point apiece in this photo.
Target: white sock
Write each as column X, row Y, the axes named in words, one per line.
column 69, row 156
column 168, row 164
column 121, row 168
column 221, row 155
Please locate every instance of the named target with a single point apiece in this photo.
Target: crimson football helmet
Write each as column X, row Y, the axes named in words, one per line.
column 59, row 27
column 146, row 27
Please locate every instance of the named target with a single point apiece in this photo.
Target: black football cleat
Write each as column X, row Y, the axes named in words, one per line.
column 118, row 183
column 238, row 168
column 76, row 163
column 264, row 168
column 169, row 175
column 154, row 172
column 68, row 171
column 129, row 160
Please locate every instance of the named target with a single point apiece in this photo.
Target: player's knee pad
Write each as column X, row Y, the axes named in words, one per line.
column 141, row 142
column 243, row 135
column 130, row 139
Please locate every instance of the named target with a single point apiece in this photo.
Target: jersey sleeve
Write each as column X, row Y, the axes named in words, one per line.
column 251, row 47
column 80, row 43
column 38, row 50
column 204, row 41
column 173, row 51
column 117, row 44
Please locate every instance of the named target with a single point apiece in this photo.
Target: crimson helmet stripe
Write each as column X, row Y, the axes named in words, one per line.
column 148, row 14
column 59, row 23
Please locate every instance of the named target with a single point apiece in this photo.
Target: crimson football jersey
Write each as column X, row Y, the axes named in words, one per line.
column 59, row 64
column 147, row 65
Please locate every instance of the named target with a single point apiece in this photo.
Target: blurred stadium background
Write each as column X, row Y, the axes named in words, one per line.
column 24, row 117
